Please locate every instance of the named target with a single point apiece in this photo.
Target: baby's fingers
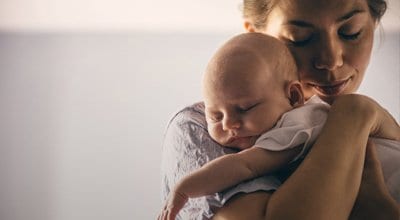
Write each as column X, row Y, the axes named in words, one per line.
column 171, row 215
column 167, row 214
column 163, row 214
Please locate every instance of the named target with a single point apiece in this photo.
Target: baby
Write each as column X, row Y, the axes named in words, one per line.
column 254, row 103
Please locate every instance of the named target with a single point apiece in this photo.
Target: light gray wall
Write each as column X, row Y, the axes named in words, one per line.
column 83, row 115
column 61, row 15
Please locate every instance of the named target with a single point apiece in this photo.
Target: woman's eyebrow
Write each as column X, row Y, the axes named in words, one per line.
column 305, row 24
column 349, row 15
column 299, row 23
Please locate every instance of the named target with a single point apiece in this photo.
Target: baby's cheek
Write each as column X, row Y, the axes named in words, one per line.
column 253, row 127
column 215, row 132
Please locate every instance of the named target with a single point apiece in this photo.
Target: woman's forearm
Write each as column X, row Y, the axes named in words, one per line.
column 327, row 182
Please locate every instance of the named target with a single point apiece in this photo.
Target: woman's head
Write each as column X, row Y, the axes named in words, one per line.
column 331, row 40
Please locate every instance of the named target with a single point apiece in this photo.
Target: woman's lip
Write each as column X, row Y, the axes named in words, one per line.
column 334, row 88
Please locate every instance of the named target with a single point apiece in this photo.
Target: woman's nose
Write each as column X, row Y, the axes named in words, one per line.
column 329, row 55
column 231, row 123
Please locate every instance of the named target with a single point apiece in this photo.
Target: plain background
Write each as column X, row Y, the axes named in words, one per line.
column 87, row 89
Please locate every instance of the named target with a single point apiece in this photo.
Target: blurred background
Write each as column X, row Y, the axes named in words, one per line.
column 87, row 88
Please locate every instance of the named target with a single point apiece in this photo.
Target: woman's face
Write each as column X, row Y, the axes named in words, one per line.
column 330, row 40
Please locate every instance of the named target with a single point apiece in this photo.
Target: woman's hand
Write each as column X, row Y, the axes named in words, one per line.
column 381, row 123
column 373, row 200
column 385, row 126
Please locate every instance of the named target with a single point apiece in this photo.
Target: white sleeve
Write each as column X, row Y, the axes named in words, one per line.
column 299, row 127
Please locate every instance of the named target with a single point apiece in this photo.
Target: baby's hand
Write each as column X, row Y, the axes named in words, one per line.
column 174, row 204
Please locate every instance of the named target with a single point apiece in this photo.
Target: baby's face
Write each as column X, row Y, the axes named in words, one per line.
column 242, row 105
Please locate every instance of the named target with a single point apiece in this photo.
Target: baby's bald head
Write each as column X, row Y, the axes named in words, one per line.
column 250, row 82
column 250, row 58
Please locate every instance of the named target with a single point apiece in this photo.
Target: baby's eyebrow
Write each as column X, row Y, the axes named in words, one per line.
column 253, row 101
column 210, row 110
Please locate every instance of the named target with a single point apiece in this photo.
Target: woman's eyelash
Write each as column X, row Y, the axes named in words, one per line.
column 300, row 43
column 351, row 36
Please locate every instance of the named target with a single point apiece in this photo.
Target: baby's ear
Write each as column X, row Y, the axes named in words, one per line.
column 295, row 94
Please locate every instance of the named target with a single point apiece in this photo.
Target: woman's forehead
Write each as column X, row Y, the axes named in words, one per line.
column 317, row 9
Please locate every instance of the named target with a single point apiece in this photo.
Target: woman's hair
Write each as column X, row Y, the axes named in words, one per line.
column 257, row 11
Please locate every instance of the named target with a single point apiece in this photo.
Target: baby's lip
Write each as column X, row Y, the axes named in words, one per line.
column 235, row 138
column 240, row 139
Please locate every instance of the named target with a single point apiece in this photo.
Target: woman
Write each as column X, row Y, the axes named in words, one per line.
column 331, row 42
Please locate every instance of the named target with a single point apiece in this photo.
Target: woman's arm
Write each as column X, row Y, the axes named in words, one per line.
column 326, row 184
column 373, row 201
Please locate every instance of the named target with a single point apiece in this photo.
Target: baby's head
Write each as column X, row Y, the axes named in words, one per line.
column 249, row 83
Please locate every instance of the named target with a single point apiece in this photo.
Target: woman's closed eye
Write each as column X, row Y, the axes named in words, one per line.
column 350, row 36
column 297, row 36
column 301, row 42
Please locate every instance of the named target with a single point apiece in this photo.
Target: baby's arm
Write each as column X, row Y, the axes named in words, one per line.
column 224, row 172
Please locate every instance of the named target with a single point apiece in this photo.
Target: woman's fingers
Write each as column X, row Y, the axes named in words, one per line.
column 372, row 167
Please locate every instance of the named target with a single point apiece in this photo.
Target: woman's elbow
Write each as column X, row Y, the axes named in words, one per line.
column 356, row 105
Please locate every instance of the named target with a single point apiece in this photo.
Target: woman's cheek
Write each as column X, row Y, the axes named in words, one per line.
column 361, row 55
column 303, row 60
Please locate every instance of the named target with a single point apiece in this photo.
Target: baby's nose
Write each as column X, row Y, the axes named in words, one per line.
column 231, row 123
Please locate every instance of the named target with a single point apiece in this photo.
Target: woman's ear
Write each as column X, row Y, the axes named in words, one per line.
column 249, row 26
column 295, row 94
column 376, row 24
